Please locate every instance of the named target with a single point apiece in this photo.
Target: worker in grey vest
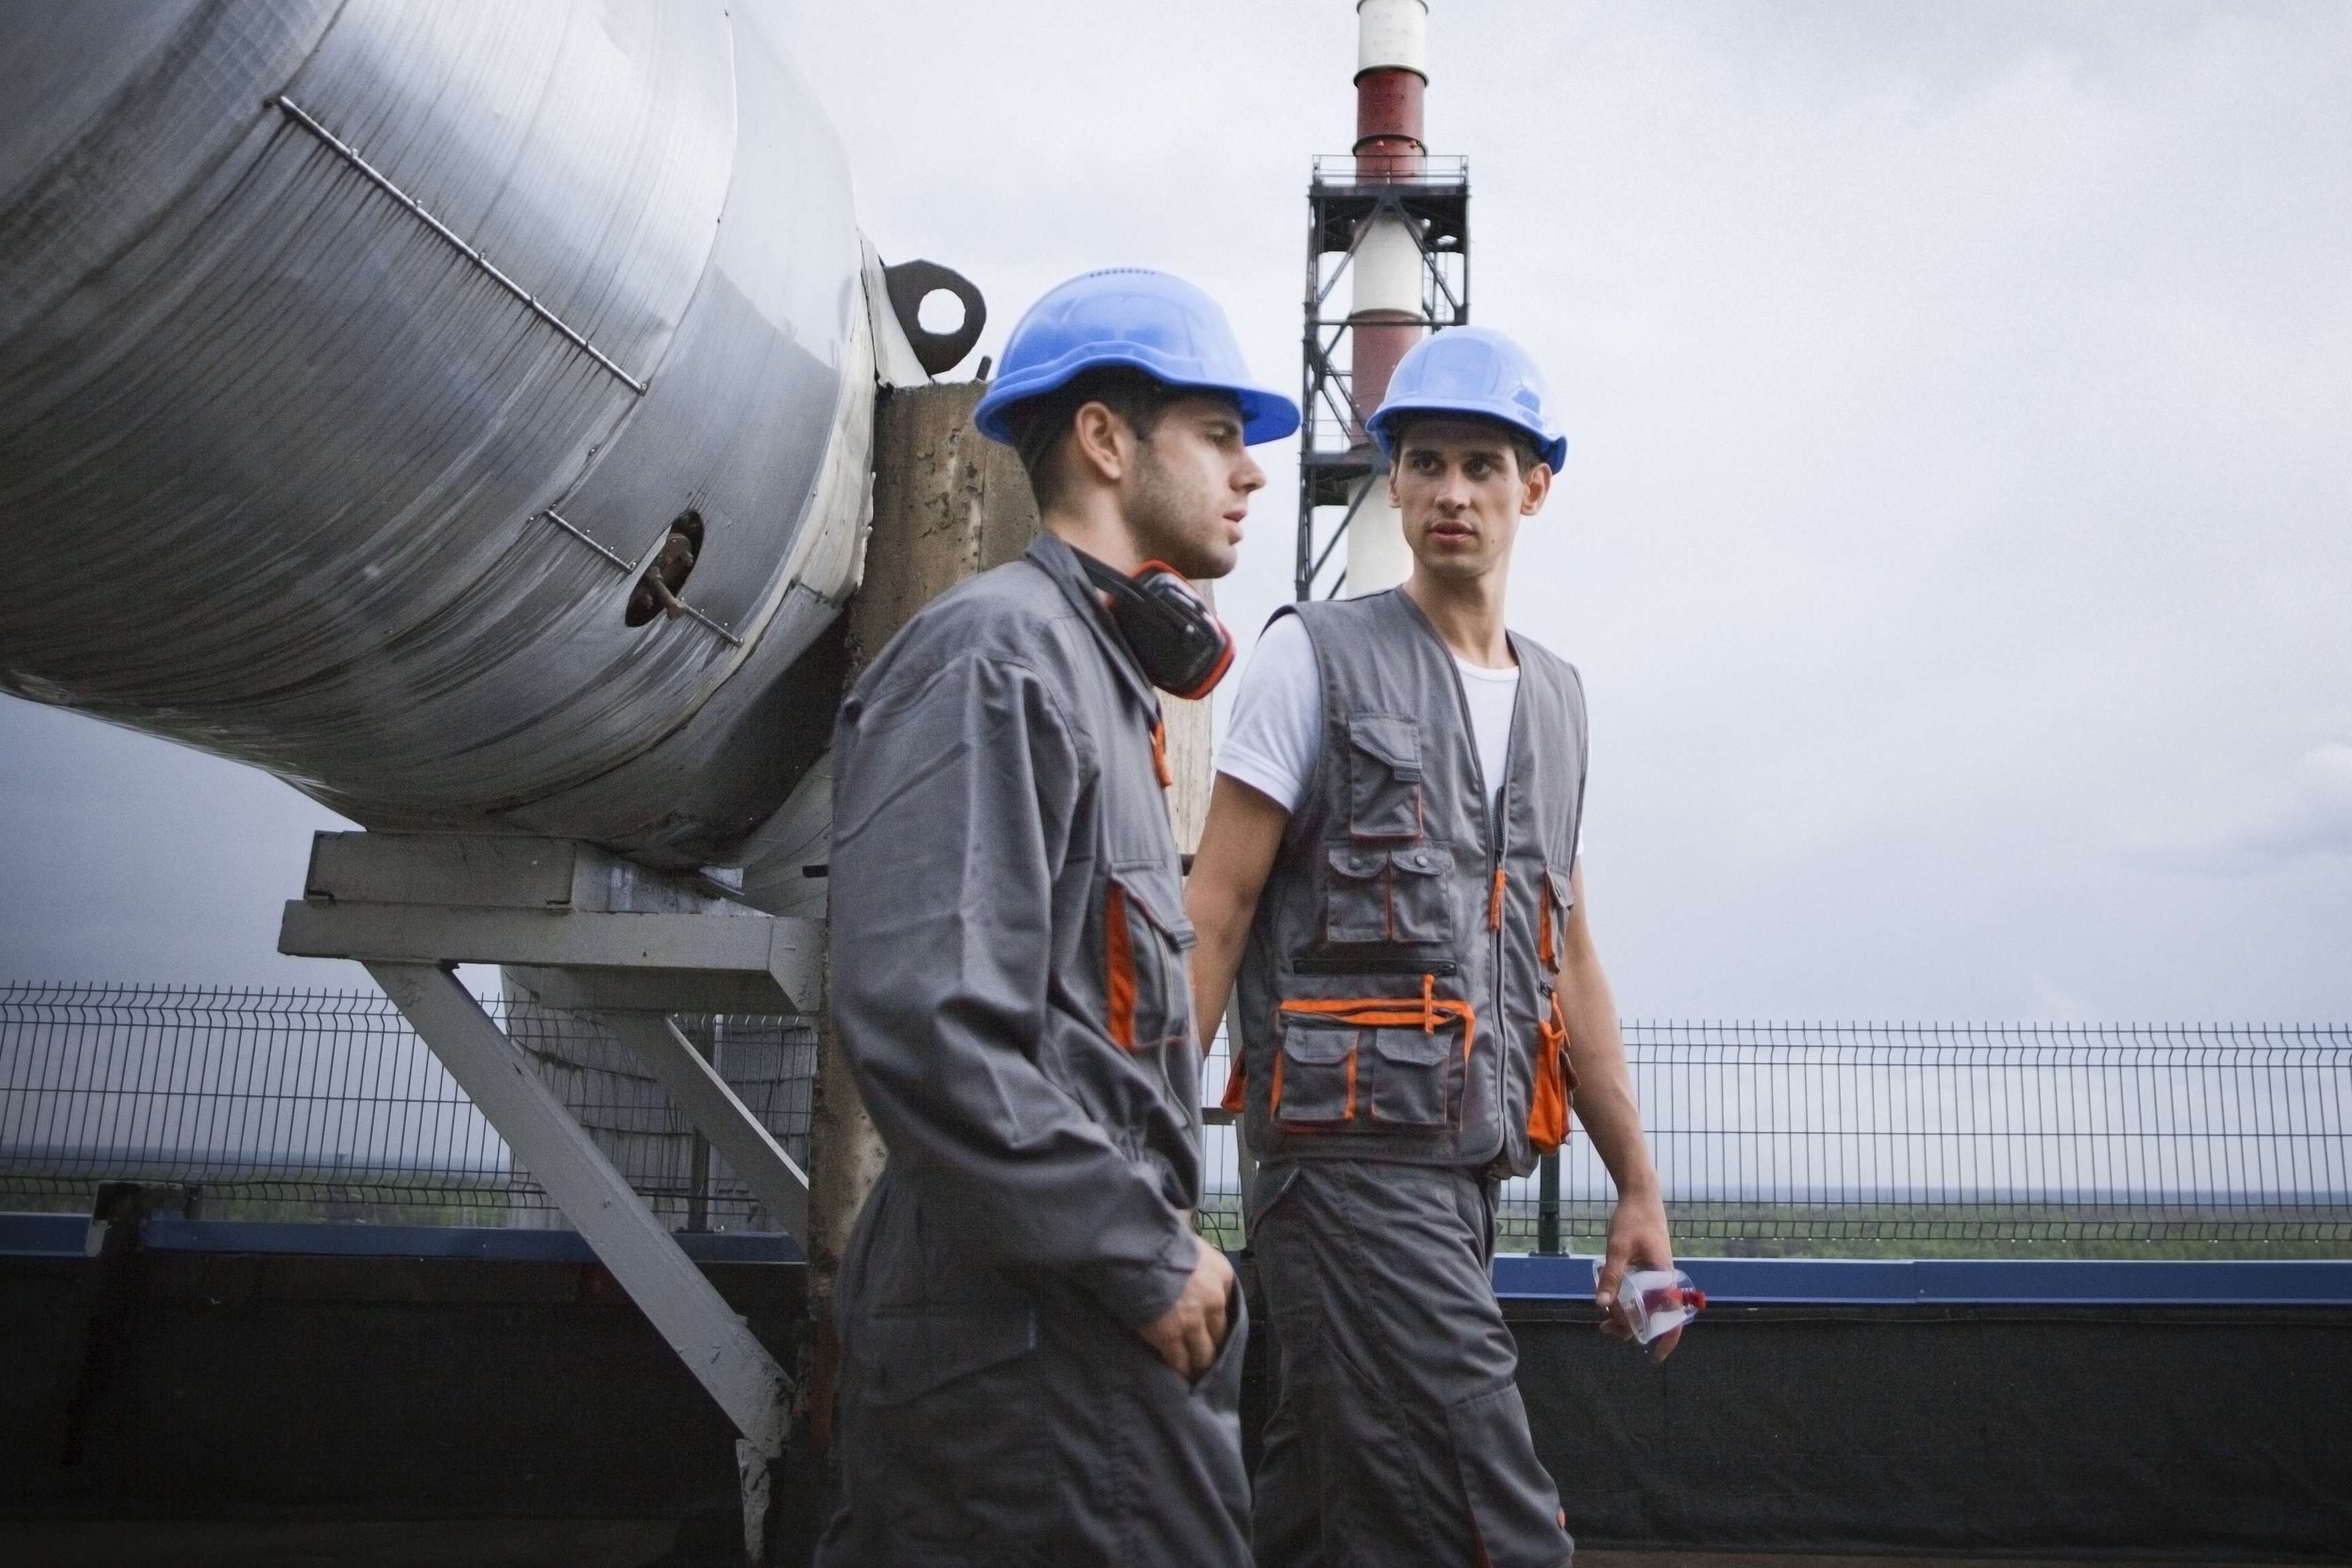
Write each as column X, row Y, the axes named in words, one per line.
column 1390, row 868
column 1040, row 1361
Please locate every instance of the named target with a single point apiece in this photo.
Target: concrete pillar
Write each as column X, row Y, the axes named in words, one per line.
column 948, row 502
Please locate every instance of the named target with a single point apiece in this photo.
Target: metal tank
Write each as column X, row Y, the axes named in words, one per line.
column 461, row 411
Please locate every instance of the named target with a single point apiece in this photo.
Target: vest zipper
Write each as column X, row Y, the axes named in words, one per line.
column 1374, row 963
column 1494, row 810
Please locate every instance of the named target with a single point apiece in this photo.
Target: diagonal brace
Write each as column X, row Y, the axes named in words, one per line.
column 684, row 1306
column 715, row 1112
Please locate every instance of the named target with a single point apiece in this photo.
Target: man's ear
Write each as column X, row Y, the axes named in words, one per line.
column 1097, row 442
column 1533, row 489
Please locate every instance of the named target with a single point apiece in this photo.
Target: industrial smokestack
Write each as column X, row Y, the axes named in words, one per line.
column 1388, row 259
column 1386, row 311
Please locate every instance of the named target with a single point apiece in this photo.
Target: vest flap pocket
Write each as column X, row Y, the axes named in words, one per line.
column 1551, row 918
column 1317, row 1046
column 1421, row 893
column 1315, row 1077
column 903, row 1354
column 1400, row 894
column 1423, row 860
column 1383, row 777
column 1394, row 741
column 1413, row 1075
column 1416, row 1048
column 1356, row 902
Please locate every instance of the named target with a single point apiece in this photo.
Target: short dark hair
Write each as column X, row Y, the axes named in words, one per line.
column 1523, row 445
column 1040, row 423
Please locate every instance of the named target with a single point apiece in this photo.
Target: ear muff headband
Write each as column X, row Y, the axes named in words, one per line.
column 1183, row 647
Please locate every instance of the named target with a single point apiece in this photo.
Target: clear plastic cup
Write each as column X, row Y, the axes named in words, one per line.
column 1659, row 1299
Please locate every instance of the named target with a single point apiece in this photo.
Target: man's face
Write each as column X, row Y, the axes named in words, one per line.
column 1458, row 489
column 1187, row 491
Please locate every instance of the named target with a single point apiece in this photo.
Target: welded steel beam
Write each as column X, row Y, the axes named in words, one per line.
column 716, row 1113
column 683, row 1306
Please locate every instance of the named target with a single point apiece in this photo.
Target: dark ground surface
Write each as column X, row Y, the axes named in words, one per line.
column 465, row 1411
column 612, row 1543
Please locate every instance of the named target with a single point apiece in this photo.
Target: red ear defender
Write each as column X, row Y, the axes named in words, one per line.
column 1183, row 647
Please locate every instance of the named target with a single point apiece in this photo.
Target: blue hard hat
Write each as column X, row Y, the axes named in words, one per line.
column 1473, row 370
column 1135, row 317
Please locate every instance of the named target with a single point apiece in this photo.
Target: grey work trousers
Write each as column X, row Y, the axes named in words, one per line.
column 980, row 1422
column 1397, row 1436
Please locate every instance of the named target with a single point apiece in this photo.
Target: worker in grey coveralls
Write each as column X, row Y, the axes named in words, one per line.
column 1040, row 1362
column 1390, row 864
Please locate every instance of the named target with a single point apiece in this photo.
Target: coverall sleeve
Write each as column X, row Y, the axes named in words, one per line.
column 953, row 801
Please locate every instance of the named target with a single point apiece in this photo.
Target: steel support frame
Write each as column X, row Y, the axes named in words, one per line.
column 591, row 933
column 1327, row 391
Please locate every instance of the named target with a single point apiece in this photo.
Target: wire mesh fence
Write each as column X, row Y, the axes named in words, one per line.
column 1926, row 1139
column 325, row 1105
column 1855, row 1139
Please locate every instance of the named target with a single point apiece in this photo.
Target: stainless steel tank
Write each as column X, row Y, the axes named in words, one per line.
column 358, row 359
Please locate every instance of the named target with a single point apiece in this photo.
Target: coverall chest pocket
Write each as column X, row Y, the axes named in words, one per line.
column 1384, row 777
column 1400, row 894
column 1146, row 977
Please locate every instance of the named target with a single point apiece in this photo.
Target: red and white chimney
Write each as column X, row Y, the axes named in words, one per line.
column 1385, row 310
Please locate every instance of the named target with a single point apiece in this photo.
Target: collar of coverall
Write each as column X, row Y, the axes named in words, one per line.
column 1059, row 559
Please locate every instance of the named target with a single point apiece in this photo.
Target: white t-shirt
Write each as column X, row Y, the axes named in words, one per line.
column 1276, row 728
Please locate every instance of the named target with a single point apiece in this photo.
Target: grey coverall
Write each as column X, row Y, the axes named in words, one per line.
column 1009, row 985
column 1403, row 1049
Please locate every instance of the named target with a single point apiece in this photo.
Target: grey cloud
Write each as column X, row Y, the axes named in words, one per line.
column 1957, row 398
column 2307, row 820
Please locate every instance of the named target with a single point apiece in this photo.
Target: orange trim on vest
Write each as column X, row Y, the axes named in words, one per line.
column 1160, row 767
column 1118, row 965
column 1426, row 1011
column 1235, row 1097
column 1546, row 954
column 1273, row 1101
column 1554, row 1083
column 1494, row 902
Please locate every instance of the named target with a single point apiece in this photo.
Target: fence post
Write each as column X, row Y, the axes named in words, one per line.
column 1547, row 1204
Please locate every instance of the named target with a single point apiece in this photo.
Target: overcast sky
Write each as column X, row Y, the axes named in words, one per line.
column 1957, row 533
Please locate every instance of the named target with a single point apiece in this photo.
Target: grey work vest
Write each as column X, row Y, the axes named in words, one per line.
column 1396, row 994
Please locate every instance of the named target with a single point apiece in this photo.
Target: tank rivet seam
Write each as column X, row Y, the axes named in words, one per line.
column 350, row 155
column 567, row 526
column 571, row 527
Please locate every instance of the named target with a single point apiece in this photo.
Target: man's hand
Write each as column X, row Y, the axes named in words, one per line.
column 1189, row 1334
column 1637, row 1239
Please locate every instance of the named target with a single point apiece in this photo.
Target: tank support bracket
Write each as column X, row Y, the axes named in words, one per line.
column 589, row 932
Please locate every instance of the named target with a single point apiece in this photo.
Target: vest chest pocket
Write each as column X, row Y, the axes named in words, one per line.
column 1147, row 985
column 1315, row 1076
column 1401, row 895
column 1413, row 1078
column 1384, row 778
